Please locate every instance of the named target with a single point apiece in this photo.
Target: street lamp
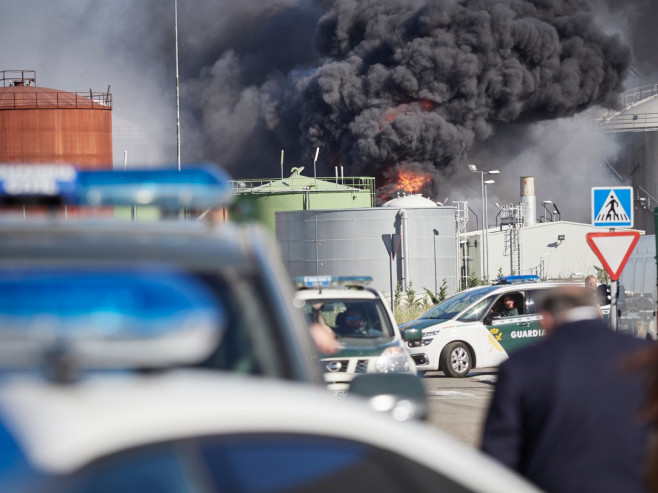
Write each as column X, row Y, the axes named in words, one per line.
column 555, row 212
column 484, row 257
column 486, row 222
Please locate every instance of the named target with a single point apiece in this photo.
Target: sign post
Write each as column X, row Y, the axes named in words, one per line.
column 613, row 208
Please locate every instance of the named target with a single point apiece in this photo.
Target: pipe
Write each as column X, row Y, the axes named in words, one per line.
column 404, row 219
column 528, row 200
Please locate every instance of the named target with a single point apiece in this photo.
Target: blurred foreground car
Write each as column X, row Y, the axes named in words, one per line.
column 198, row 431
column 369, row 338
column 91, row 271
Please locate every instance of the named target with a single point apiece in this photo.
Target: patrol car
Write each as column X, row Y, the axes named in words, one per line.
column 370, row 340
column 464, row 332
column 136, row 272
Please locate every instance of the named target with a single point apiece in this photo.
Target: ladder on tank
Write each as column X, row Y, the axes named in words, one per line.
column 512, row 216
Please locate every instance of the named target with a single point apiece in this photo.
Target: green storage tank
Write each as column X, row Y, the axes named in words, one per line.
column 259, row 199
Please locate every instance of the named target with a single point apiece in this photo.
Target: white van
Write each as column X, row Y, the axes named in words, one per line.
column 464, row 331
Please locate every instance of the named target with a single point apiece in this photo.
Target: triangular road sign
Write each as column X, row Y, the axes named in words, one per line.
column 613, row 249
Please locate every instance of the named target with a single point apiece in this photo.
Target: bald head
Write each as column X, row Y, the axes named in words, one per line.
column 567, row 304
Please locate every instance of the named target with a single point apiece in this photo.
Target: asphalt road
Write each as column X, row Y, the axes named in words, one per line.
column 458, row 405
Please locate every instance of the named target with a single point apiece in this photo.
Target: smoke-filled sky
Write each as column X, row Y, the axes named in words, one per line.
column 376, row 84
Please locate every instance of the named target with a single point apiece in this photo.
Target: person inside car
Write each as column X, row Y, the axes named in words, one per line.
column 352, row 322
column 507, row 308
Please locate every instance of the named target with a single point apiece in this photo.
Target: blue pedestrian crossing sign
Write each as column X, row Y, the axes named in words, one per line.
column 612, row 207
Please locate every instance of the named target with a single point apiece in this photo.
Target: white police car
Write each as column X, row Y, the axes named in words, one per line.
column 103, row 274
column 198, row 431
column 369, row 338
column 466, row 331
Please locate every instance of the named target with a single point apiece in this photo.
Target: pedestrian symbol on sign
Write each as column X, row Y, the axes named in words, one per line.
column 612, row 207
column 611, row 210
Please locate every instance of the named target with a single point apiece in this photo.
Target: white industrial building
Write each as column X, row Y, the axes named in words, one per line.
column 522, row 245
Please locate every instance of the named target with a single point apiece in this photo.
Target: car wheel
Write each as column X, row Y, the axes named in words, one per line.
column 456, row 360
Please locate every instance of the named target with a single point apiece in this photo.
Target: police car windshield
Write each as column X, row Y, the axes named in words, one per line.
column 352, row 318
column 454, row 305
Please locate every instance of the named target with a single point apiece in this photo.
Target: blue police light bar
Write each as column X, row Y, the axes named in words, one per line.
column 331, row 281
column 197, row 187
column 518, row 279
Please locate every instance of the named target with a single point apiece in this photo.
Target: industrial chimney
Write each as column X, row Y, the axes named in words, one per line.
column 528, row 200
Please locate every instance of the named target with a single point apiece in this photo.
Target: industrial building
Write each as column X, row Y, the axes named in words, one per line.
column 520, row 244
column 636, row 129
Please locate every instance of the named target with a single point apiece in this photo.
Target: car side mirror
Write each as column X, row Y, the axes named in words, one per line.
column 412, row 334
column 402, row 395
column 603, row 296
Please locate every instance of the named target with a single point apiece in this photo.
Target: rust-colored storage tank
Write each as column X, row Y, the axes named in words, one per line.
column 41, row 125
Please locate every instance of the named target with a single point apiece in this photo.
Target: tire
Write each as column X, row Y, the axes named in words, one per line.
column 456, row 360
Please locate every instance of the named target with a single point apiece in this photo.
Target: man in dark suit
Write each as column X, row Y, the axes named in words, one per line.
column 565, row 412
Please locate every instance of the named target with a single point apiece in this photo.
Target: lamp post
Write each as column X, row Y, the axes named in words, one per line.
column 436, row 288
column 484, row 256
column 486, row 223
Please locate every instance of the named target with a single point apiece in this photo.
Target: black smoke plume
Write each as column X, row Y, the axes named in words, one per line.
column 418, row 82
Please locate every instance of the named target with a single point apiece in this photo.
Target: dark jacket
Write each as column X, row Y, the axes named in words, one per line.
column 565, row 415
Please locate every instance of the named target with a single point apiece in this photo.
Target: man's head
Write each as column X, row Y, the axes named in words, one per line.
column 508, row 302
column 567, row 304
column 591, row 282
column 353, row 318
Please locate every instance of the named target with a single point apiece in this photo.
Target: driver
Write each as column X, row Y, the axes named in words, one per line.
column 507, row 308
column 356, row 323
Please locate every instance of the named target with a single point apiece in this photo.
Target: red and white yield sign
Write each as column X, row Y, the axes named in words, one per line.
column 613, row 249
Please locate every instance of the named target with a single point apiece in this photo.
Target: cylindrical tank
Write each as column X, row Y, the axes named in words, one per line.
column 370, row 241
column 529, row 200
column 41, row 125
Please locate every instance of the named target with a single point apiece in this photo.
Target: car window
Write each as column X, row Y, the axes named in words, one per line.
column 313, row 464
column 357, row 318
column 159, row 469
column 118, row 299
column 501, row 309
column 451, row 307
column 532, row 298
column 478, row 311
column 261, row 463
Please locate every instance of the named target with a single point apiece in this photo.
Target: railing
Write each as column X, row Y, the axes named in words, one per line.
column 624, row 120
column 55, row 99
column 637, row 94
column 10, row 78
column 628, row 122
column 299, row 184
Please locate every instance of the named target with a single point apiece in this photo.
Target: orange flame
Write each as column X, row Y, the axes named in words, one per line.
column 412, row 182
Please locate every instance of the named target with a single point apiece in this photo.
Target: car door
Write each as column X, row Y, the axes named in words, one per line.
column 519, row 330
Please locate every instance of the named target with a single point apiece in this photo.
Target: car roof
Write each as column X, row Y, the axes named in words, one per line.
column 62, row 428
column 520, row 286
column 116, row 240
